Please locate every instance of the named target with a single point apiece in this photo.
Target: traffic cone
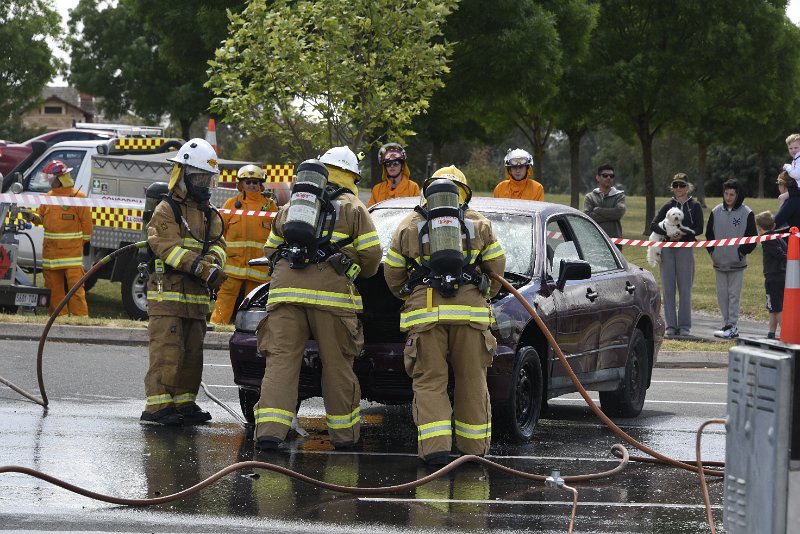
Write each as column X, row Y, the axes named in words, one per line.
column 211, row 134
column 790, row 321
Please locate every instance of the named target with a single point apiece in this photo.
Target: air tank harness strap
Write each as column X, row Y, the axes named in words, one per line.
column 420, row 274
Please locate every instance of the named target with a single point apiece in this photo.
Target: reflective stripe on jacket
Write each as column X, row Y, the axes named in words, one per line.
column 66, row 229
column 181, row 294
column 318, row 285
column 424, row 309
column 245, row 235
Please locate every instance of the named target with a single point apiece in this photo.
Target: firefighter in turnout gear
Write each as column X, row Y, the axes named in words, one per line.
column 245, row 236
column 185, row 237
column 320, row 242
column 67, row 230
column 439, row 261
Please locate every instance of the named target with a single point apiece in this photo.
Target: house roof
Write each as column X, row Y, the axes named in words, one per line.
column 71, row 96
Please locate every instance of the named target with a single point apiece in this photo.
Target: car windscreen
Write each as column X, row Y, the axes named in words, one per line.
column 513, row 230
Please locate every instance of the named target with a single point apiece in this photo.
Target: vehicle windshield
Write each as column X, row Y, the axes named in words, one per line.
column 513, row 230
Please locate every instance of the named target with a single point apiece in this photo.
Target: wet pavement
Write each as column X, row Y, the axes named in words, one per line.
column 90, row 436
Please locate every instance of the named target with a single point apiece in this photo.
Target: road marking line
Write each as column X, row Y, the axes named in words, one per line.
column 647, row 402
column 546, row 503
column 683, row 382
column 216, row 365
column 221, row 386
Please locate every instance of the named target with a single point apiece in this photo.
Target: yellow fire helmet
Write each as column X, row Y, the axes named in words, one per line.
column 450, row 173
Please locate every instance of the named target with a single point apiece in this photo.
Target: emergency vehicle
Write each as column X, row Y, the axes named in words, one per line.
column 114, row 175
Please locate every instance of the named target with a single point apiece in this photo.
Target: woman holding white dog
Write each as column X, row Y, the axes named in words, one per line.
column 677, row 264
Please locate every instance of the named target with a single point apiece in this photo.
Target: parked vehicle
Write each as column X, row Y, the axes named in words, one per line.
column 604, row 312
column 107, row 173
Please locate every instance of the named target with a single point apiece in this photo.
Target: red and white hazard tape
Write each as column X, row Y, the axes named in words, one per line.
column 693, row 244
column 29, row 200
column 249, row 213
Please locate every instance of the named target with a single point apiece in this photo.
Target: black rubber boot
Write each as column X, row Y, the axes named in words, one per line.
column 194, row 415
column 267, row 443
column 168, row 416
column 437, row 459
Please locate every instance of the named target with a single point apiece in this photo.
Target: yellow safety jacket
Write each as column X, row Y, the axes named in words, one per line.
column 177, row 292
column 66, row 229
column 425, row 307
column 319, row 285
column 245, row 235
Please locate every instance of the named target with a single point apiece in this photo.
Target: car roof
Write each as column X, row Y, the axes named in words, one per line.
column 490, row 204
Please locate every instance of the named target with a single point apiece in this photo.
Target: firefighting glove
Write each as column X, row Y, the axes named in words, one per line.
column 210, row 273
column 211, row 258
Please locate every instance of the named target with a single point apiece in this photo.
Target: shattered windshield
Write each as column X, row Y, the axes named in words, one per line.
column 513, row 230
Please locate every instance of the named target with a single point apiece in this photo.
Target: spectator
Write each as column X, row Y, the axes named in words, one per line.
column 793, row 168
column 774, row 254
column 730, row 219
column 606, row 204
column 519, row 182
column 395, row 175
column 677, row 264
column 783, row 188
column 789, row 213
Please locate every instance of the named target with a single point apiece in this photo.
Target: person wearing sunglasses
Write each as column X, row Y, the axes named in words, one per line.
column 245, row 236
column 395, row 175
column 677, row 264
column 606, row 204
column 519, row 182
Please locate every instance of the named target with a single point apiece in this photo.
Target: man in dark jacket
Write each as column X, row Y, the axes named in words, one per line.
column 730, row 219
column 606, row 204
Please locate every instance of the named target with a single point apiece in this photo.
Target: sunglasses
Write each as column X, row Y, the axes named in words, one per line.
column 607, row 175
column 393, row 163
column 679, row 185
column 252, row 182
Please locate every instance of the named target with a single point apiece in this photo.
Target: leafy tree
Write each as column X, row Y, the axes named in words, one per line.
column 27, row 63
column 337, row 71
column 147, row 57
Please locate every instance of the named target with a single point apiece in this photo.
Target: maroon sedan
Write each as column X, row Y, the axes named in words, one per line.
column 604, row 312
column 12, row 154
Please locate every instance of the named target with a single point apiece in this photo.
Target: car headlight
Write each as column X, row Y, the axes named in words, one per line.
column 248, row 320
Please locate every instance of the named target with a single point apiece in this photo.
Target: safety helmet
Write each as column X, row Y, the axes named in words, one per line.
column 391, row 152
column 251, row 172
column 197, row 153
column 518, row 157
column 343, row 158
column 451, row 173
column 56, row 168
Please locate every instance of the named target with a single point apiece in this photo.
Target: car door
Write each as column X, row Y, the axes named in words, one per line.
column 578, row 314
column 614, row 291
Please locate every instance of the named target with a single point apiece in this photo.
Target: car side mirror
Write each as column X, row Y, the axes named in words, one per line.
column 16, row 188
column 572, row 270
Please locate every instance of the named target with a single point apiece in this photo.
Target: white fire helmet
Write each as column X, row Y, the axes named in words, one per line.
column 343, row 158
column 197, row 153
column 518, row 157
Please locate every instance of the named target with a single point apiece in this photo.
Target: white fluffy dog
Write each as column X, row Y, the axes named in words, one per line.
column 673, row 227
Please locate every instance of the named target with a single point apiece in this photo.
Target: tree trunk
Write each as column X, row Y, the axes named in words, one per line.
column 185, row 124
column 762, row 171
column 702, row 164
column 646, row 140
column 575, row 137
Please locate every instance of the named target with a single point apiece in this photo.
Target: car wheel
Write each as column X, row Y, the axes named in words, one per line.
column 247, row 401
column 628, row 400
column 518, row 418
column 134, row 293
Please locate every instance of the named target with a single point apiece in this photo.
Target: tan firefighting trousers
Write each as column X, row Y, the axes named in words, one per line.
column 227, row 295
column 176, row 361
column 470, row 354
column 54, row 280
column 282, row 339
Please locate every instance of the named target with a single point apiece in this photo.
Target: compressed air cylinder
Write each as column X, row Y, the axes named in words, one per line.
column 444, row 228
column 152, row 197
column 306, row 203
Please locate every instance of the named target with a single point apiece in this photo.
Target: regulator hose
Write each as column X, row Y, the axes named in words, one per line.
column 579, row 387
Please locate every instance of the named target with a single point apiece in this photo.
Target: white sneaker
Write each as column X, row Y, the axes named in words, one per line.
column 728, row 332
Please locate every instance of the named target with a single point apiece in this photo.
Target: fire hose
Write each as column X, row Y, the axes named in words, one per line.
column 553, row 481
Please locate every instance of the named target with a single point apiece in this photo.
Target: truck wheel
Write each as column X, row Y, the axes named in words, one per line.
column 134, row 293
column 10, row 309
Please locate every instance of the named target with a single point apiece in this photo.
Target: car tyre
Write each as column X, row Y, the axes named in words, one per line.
column 247, row 401
column 134, row 293
column 517, row 419
column 628, row 400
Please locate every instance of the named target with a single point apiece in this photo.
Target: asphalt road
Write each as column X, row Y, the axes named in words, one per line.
column 91, row 437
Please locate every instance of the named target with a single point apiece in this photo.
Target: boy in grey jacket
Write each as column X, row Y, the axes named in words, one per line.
column 730, row 219
column 606, row 204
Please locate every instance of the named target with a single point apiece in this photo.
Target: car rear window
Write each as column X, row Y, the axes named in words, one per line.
column 513, row 230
